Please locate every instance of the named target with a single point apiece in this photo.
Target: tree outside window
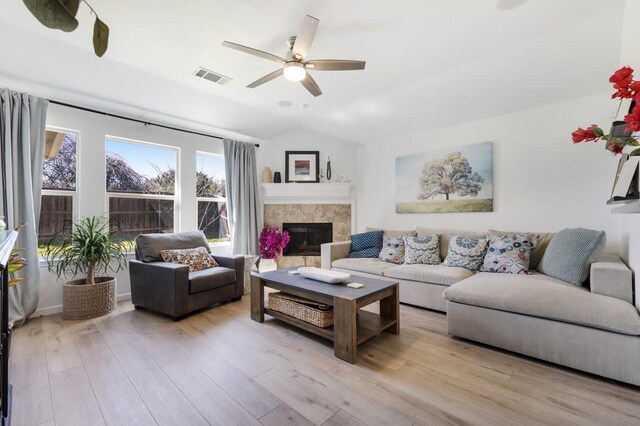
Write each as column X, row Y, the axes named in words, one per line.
column 140, row 184
column 59, row 183
column 211, row 197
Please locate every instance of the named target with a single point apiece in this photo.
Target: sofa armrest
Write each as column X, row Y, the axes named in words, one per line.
column 332, row 251
column 160, row 286
column 236, row 263
column 611, row 277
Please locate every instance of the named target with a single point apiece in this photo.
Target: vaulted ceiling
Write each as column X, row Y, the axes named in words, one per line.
column 430, row 63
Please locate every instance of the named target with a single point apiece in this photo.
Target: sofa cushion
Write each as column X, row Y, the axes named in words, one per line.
column 211, row 278
column 149, row 246
column 370, row 266
column 509, row 254
column 538, row 251
column 366, row 240
column 423, row 250
column 571, row 253
column 434, row 274
column 197, row 258
column 466, row 252
column 541, row 296
column 444, row 236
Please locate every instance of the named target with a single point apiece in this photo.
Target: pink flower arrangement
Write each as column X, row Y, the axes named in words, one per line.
column 272, row 241
column 626, row 88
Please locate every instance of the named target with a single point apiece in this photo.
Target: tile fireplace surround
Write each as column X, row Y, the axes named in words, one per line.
column 338, row 214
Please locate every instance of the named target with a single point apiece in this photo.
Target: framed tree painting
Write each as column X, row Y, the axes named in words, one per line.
column 446, row 181
column 302, row 166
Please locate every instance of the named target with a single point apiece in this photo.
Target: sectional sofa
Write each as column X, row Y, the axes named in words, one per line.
column 593, row 328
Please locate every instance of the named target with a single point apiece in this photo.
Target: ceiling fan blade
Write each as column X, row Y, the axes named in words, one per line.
column 305, row 37
column 252, row 51
column 267, row 78
column 310, row 84
column 336, row 65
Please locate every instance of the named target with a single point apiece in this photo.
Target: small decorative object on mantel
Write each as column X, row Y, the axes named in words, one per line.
column 277, row 177
column 302, row 166
column 267, row 175
column 328, row 169
column 620, row 135
column 271, row 242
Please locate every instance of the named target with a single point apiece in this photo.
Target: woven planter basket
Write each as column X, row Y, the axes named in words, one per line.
column 84, row 301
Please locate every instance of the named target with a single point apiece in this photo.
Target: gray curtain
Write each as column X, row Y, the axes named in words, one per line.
column 22, row 139
column 243, row 196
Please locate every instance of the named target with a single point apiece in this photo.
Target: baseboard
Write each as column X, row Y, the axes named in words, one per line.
column 56, row 309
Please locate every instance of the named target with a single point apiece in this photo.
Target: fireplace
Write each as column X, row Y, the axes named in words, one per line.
column 306, row 238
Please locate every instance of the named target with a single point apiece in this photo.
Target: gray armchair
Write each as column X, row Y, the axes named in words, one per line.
column 170, row 288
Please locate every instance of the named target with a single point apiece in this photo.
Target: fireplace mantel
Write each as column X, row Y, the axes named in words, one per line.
column 306, row 191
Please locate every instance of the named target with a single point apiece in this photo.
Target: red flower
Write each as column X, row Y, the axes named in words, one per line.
column 633, row 120
column 615, row 148
column 587, row 134
column 622, row 78
column 623, row 93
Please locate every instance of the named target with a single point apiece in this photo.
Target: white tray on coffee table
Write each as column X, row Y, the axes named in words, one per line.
column 324, row 275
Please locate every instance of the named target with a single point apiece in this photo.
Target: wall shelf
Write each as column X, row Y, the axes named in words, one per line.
column 306, row 191
column 628, row 207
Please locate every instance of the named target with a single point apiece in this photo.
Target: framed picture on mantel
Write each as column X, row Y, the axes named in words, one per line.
column 302, row 166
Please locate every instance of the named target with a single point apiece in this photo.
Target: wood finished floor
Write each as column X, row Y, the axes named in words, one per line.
column 219, row 367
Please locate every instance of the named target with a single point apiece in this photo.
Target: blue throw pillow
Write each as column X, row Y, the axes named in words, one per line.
column 368, row 252
column 571, row 253
column 369, row 241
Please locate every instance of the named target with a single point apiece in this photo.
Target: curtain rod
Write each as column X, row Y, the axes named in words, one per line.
column 146, row 123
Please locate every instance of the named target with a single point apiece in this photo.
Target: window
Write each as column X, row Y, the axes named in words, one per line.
column 59, row 195
column 141, row 187
column 211, row 197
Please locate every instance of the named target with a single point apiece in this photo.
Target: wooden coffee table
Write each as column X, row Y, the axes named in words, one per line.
column 352, row 326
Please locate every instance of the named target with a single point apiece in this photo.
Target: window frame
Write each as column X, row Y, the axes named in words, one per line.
column 213, row 199
column 73, row 193
column 176, row 194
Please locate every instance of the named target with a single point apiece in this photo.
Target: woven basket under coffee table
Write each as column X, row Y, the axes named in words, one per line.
column 84, row 301
column 315, row 313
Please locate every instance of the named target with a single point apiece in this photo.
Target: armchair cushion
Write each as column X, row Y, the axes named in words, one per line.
column 149, row 246
column 197, row 259
column 211, row 278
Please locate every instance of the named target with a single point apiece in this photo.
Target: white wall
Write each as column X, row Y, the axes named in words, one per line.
column 542, row 181
column 92, row 129
column 630, row 55
column 342, row 152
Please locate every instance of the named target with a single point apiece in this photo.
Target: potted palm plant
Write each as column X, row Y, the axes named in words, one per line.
column 88, row 248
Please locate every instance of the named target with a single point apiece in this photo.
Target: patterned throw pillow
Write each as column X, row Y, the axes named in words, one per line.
column 197, row 259
column 465, row 252
column 392, row 250
column 366, row 244
column 509, row 254
column 425, row 250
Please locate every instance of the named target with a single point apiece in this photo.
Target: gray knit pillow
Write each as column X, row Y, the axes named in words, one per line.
column 571, row 253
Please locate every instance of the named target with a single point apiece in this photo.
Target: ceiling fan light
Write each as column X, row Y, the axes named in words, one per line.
column 294, row 71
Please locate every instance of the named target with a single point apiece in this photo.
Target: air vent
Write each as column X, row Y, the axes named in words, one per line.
column 212, row 76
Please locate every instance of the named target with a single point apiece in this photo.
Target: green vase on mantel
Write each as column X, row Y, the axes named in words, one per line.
column 329, row 169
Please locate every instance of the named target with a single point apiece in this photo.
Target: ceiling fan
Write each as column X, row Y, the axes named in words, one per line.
column 295, row 66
